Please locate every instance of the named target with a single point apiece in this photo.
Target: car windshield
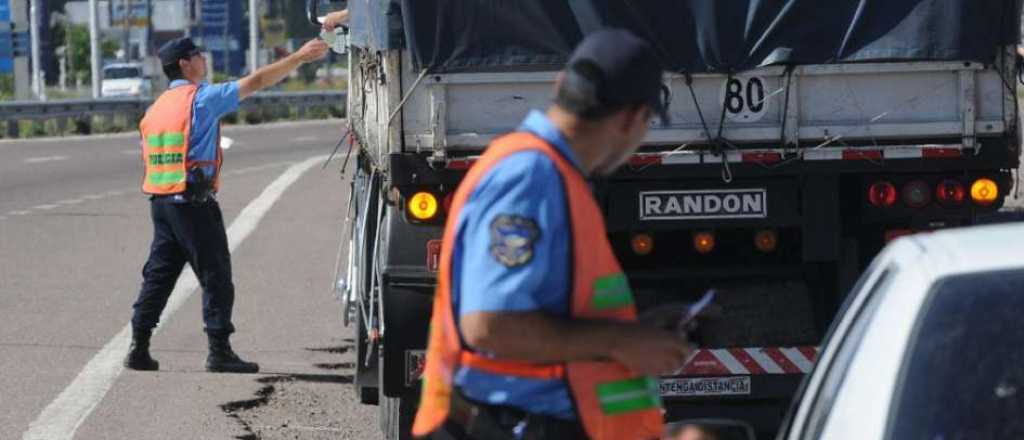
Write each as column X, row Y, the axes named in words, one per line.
column 121, row 72
column 964, row 375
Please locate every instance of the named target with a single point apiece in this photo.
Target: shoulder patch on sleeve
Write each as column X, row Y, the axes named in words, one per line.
column 512, row 239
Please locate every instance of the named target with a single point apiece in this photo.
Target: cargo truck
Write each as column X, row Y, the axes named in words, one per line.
column 804, row 136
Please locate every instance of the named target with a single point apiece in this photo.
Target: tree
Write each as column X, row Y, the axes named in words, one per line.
column 79, row 52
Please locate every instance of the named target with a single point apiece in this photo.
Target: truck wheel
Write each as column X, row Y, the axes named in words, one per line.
column 396, row 416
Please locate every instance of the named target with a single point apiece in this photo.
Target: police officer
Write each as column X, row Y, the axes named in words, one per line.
column 182, row 157
column 534, row 332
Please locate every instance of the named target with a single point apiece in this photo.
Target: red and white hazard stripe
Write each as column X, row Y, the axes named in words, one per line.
column 772, row 156
column 750, row 361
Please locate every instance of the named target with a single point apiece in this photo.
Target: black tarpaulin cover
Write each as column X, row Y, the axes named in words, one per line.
column 708, row 35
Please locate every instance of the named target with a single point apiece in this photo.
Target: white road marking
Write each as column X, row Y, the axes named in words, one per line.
column 44, row 207
column 113, row 193
column 69, row 202
column 62, row 417
column 19, row 213
column 45, row 159
column 305, row 138
column 131, row 152
column 93, row 196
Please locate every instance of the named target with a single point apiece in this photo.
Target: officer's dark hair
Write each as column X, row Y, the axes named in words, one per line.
column 173, row 71
column 579, row 93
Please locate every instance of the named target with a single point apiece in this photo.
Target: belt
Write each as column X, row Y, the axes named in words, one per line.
column 186, row 197
column 483, row 421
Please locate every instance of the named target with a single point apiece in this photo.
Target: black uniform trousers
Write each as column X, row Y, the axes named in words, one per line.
column 190, row 233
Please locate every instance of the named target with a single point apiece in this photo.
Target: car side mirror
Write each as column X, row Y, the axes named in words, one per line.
column 709, row 429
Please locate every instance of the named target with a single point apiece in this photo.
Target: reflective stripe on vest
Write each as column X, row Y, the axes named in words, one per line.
column 165, row 143
column 612, row 402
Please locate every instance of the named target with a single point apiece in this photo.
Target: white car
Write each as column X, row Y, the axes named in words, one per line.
column 125, row 80
column 929, row 346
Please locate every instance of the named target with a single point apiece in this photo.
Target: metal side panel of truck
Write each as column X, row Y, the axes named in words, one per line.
column 779, row 170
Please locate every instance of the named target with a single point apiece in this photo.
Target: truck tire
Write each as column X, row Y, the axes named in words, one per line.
column 396, row 416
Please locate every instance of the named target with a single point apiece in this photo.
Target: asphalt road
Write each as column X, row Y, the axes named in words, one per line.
column 74, row 233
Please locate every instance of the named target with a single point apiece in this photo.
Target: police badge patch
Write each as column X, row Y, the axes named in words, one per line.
column 512, row 239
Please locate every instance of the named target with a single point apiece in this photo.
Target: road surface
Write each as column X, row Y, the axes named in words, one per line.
column 74, row 233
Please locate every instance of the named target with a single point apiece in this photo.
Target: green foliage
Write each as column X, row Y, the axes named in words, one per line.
column 80, row 52
column 6, row 87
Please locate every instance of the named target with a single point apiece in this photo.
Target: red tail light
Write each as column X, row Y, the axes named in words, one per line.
column 882, row 194
column 446, row 202
column 950, row 192
column 917, row 194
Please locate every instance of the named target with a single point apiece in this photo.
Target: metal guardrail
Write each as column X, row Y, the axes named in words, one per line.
column 76, row 109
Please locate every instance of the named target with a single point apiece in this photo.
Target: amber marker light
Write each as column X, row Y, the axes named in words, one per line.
column 422, row 206
column 766, row 241
column 704, row 242
column 643, row 244
column 984, row 192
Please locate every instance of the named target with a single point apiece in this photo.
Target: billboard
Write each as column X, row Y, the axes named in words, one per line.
column 6, row 62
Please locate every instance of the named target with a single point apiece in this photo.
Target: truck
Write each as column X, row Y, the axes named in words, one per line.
column 804, row 136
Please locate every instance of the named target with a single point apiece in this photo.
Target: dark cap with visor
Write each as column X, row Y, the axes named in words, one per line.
column 619, row 69
column 178, row 49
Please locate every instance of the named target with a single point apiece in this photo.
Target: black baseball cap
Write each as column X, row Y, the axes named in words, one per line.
column 620, row 68
column 178, row 49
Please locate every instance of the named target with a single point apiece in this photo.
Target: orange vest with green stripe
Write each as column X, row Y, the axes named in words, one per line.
column 165, row 140
column 612, row 402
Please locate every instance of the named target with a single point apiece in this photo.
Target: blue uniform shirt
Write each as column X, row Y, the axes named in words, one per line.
column 212, row 102
column 512, row 254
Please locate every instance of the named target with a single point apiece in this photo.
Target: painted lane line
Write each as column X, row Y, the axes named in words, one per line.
column 113, row 193
column 19, row 213
column 94, row 196
column 44, row 207
column 45, row 159
column 69, row 202
column 62, row 417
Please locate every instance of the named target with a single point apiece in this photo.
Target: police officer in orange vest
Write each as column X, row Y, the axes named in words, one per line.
column 534, row 332
column 182, row 157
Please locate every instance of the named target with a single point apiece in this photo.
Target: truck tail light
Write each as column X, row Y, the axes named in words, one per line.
column 766, row 241
column 984, row 192
column 642, row 244
column 704, row 242
column 446, row 202
column 950, row 192
column 422, row 206
column 917, row 194
column 882, row 194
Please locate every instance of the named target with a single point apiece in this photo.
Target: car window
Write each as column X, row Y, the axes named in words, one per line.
column 836, row 370
column 963, row 377
column 121, row 72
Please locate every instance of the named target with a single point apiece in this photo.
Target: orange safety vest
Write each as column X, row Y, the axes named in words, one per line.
column 165, row 138
column 612, row 402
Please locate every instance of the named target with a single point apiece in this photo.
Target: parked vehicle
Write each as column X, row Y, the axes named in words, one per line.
column 126, row 80
column 804, row 137
column 927, row 345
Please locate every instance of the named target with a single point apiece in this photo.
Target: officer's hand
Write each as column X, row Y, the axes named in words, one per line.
column 335, row 19
column 649, row 350
column 313, row 50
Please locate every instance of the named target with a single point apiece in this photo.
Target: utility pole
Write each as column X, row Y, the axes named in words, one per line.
column 94, row 46
column 254, row 35
column 38, row 83
column 146, row 31
column 126, row 45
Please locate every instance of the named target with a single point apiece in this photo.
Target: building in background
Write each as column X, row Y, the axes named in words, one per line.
column 222, row 29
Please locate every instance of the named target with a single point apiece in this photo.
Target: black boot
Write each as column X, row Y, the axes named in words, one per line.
column 224, row 360
column 138, row 354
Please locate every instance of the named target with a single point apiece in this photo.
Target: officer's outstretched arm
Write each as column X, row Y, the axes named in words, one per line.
column 269, row 75
column 543, row 338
